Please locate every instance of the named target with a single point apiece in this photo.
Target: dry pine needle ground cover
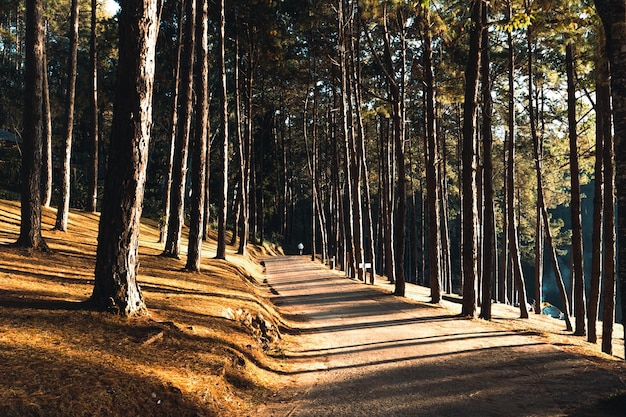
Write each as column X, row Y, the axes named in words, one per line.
column 206, row 347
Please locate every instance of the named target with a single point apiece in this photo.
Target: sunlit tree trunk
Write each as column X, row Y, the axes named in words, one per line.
column 66, row 169
column 167, row 194
column 223, row 196
column 115, row 286
column 183, row 128
column 199, row 144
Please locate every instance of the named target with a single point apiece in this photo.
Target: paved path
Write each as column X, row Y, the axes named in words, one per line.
column 362, row 352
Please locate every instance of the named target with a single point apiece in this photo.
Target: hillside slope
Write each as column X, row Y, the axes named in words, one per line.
column 206, row 347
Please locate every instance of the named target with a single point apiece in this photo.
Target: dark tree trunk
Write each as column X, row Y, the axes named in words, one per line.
column 602, row 109
column 66, row 169
column 603, row 103
column 577, row 229
column 115, row 287
column 92, row 175
column 181, row 146
column 223, row 196
column 469, row 162
column 432, row 169
column 46, row 167
column 489, row 220
column 30, row 224
column 514, row 250
column 539, row 231
column 198, row 164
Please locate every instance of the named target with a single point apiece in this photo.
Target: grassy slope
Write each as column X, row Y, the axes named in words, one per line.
column 198, row 351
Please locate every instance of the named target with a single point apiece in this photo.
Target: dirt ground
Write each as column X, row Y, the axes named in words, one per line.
column 356, row 350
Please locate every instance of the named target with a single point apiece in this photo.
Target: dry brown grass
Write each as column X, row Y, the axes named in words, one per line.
column 199, row 351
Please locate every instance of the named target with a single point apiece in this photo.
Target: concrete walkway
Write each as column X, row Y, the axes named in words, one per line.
column 363, row 352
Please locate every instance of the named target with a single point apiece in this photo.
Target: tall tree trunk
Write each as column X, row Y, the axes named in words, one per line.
column 603, row 118
column 469, row 162
column 30, row 224
column 115, row 287
column 577, row 229
column 198, row 162
column 613, row 15
column 345, row 108
column 602, row 108
column 539, row 230
column 249, row 139
column 46, row 167
column 432, row 169
column 505, row 259
column 241, row 199
column 183, row 129
column 66, row 169
column 223, row 197
column 514, row 250
column 167, row 195
column 489, row 220
column 364, row 171
column 92, row 176
column 548, row 232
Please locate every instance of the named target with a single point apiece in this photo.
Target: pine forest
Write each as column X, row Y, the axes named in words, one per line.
column 476, row 148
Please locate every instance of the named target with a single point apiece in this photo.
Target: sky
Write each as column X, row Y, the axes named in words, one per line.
column 110, row 7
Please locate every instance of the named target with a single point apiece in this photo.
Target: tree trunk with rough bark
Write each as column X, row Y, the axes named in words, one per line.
column 489, row 219
column 223, row 196
column 92, row 175
column 30, row 224
column 66, row 169
column 577, row 228
column 176, row 217
column 432, row 169
column 199, row 145
column 116, row 288
column 469, row 163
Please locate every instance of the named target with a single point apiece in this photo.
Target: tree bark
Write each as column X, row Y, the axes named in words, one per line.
column 469, row 162
column 514, row 250
column 539, row 230
column 30, row 224
column 223, row 196
column 432, row 169
column 181, row 145
column 92, row 176
column 198, row 163
column 602, row 108
column 613, row 15
column 115, row 287
column 489, row 220
column 577, row 229
column 167, row 194
column 66, row 170
column 46, row 167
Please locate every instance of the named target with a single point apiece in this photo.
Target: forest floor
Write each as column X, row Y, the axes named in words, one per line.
column 206, row 347
column 236, row 341
column 362, row 352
